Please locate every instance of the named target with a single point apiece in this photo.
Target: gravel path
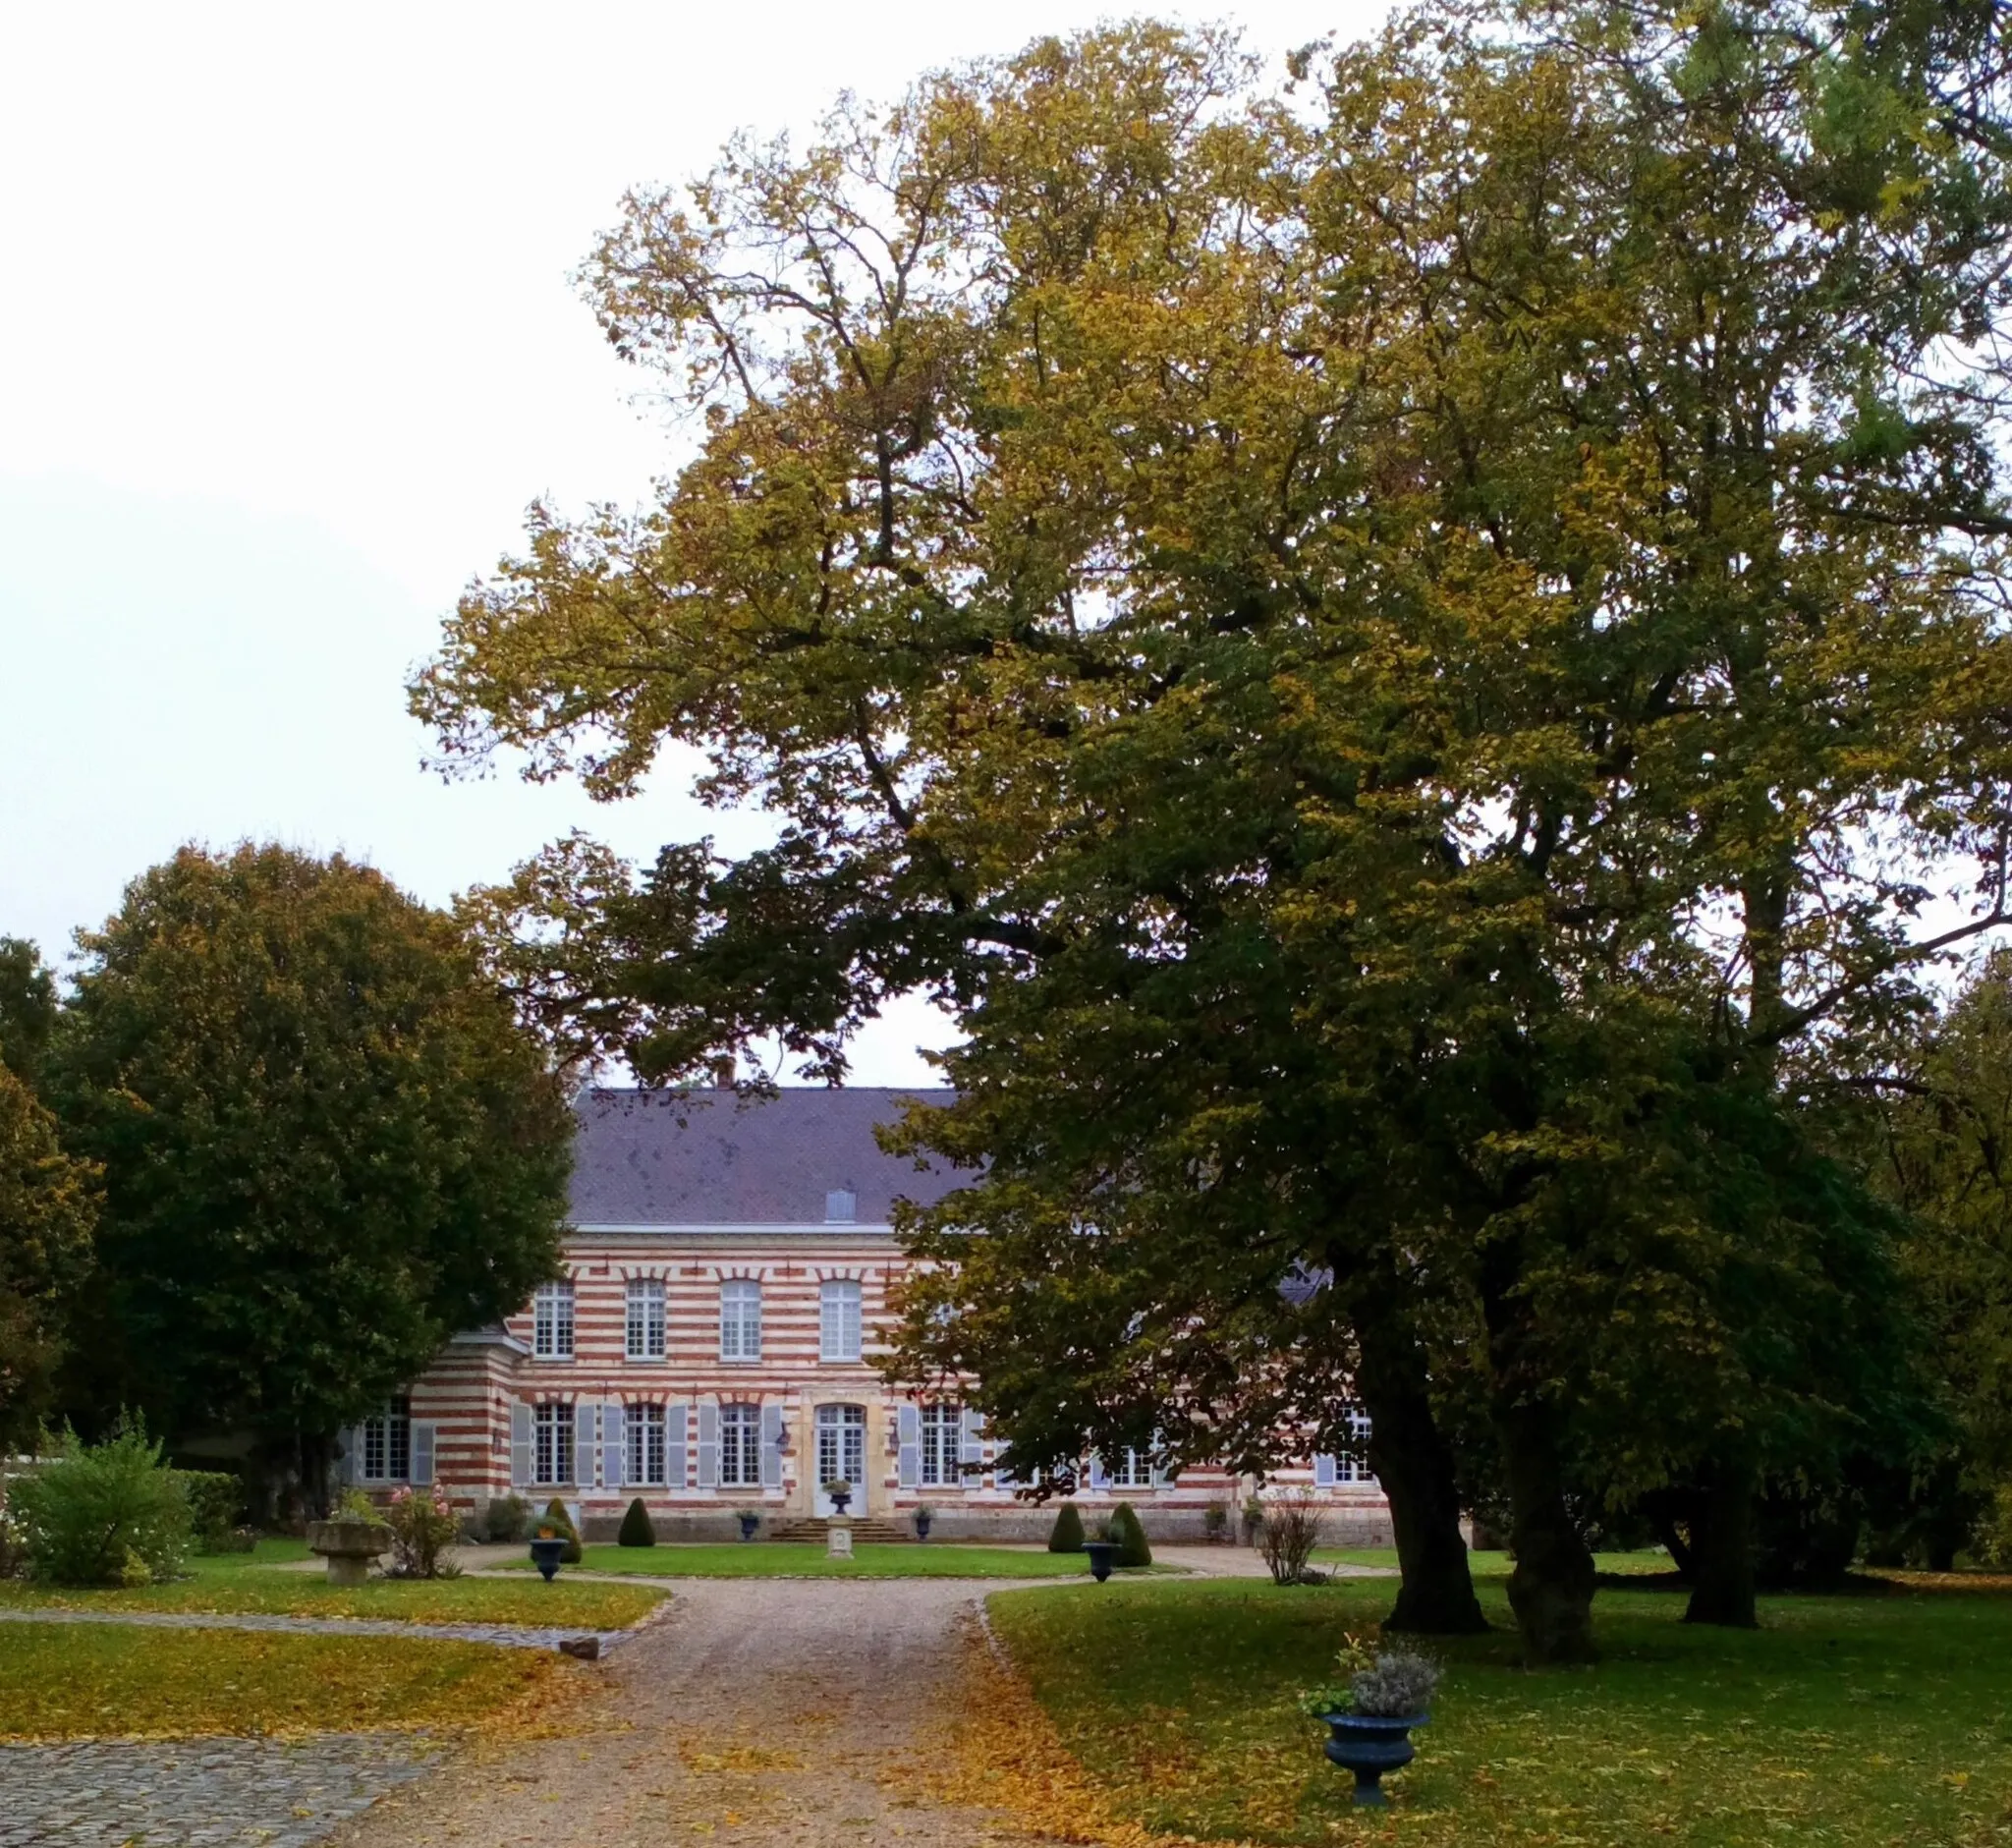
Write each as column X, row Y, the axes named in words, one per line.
column 780, row 1711
column 221, row 1793
column 507, row 1635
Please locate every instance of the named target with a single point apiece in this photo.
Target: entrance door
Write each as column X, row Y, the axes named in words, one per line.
column 842, row 1454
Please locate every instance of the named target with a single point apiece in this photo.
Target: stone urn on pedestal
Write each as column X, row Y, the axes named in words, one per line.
column 349, row 1546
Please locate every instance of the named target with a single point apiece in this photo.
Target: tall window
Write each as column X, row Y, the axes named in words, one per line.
column 838, row 1320
column 740, row 1320
column 1353, row 1467
column 941, row 1437
column 552, row 1427
column 388, row 1443
column 740, row 1446
column 645, row 1338
column 551, row 1323
column 1128, row 1469
column 643, row 1427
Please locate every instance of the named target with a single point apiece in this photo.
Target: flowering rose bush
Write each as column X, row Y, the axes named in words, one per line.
column 423, row 1525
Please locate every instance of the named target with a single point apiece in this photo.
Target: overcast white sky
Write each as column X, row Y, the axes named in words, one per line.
column 286, row 345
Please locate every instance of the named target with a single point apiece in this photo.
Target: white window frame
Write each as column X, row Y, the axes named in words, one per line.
column 740, row 1446
column 841, row 1320
column 644, row 1320
column 386, row 1451
column 740, row 1320
column 552, row 1457
column 643, row 1442
column 552, row 1323
column 1129, row 1468
column 1352, row 1467
column 942, row 1444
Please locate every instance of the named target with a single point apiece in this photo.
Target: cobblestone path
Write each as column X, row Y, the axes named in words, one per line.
column 197, row 1793
column 507, row 1635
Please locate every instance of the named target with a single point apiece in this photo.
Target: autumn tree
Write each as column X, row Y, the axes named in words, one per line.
column 1418, row 653
column 326, row 1146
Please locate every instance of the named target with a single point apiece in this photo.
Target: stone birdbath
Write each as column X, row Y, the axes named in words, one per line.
column 349, row 1546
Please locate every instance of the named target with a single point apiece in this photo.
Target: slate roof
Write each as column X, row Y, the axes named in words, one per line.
column 709, row 1157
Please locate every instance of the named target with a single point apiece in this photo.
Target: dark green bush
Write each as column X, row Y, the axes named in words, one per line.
column 1066, row 1537
column 636, row 1528
column 216, row 1505
column 505, row 1518
column 1130, row 1536
column 102, row 1513
column 560, row 1522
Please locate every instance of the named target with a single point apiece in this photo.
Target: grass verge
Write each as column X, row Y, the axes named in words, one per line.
column 770, row 1559
column 1849, row 1721
column 61, row 1681
column 1489, row 1565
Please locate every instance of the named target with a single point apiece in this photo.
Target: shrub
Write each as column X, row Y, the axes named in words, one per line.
column 93, row 1511
column 558, row 1524
column 423, row 1525
column 506, row 1518
column 1992, row 1545
column 353, row 1504
column 637, row 1529
column 1401, row 1683
column 1287, row 1535
column 1066, row 1535
column 216, row 1500
column 1215, row 1520
column 1130, row 1536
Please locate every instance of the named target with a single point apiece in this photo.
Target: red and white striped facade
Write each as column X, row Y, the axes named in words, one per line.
column 689, row 1201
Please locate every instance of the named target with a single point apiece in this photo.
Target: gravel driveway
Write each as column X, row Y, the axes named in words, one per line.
column 761, row 1711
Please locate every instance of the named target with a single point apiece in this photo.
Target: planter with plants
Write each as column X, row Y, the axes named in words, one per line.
column 1370, row 1709
column 839, row 1494
column 750, row 1520
column 554, row 1539
column 1104, row 1552
column 926, row 1517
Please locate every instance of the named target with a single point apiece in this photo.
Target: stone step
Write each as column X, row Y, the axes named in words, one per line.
column 865, row 1528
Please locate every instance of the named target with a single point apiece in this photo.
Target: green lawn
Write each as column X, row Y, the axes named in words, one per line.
column 1850, row 1720
column 765, row 1559
column 235, row 1583
column 1485, row 1565
column 70, row 1680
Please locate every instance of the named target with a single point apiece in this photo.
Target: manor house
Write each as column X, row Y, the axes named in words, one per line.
column 709, row 1347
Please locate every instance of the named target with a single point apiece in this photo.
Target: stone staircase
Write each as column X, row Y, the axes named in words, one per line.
column 867, row 1527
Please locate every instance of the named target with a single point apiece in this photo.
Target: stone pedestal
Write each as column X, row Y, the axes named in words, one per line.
column 349, row 1546
column 838, row 1540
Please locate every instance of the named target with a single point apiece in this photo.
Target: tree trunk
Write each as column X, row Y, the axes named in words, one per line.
column 1414, row 1464
column 1550, row 1589
column 1723, row 1548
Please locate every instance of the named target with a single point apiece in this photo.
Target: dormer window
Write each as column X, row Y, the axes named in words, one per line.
column 841, row 1206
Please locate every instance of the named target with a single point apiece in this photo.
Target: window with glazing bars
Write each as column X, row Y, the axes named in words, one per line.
column 388, row 1443
column 643, row 1427
column 552, row 1322
column 644, row 1339
column 942, row 1435
column 838, row 1320
column 552, row 1427
column 740, row 1446
column 740, row 1320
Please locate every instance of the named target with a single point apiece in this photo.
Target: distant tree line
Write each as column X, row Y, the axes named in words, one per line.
column 278, row 1141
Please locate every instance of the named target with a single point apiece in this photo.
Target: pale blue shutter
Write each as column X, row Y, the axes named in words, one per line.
column 520, row 1444
column 1002, row 1477
column 1099, row 1479
column 422, row 1453
column 583, row 1424
column 972, row 1446
column 613, row 1456
column 909, row 1469
column 771, row 1446
column 708, row 1443
column 348, row 1448
column 675, row 1416
column 1324, row 1471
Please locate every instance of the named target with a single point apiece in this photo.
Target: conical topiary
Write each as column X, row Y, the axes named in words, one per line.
column 636, row 1528
column 1067, row 1534
column 1130, row 1538
column 560, row 1522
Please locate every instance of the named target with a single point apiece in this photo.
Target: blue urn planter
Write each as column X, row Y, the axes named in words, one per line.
column 1369, row 1744
column 1101, row 1553
column 748, row 1523
column 544, row 1555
